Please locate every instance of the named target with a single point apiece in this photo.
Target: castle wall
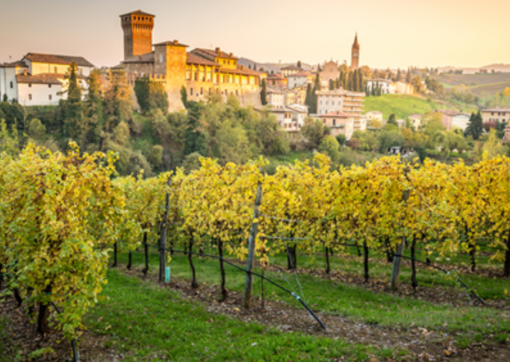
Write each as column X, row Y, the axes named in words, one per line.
column 175, row 74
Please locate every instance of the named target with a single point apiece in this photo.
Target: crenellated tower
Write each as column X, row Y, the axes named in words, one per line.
column 137, row 27
column 355, row 54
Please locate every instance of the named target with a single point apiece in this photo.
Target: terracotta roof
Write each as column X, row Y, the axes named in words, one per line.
column 291, row 67
column 144, row 58
column 337, row 92
column 137, row 12
column 275, row 90
column 58, row 59
column 375, row 112
column 195, row 59
column 275, row 76
column 497, row 110
column 18, row 63
column 39, row 79
column 241, row 70
column 415, row 115
column 451, row 113
column 210, row 54
column 337, row 114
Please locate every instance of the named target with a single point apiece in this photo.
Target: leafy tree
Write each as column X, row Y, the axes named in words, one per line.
column 263, row 93
column 151, row 95
column 36, row 130
column 191, row 162
column 74, row 126
column 156, row 156
column 8, row 140
column 118, row 101
column 475, row 126
column 93, row 110
column 341, row 139
column 5, row 99
column 329, row 146
column 314, row 131
column 493, row 147
column 506, row 92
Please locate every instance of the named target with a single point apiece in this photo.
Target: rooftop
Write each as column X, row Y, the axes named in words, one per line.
column 211, row 55
column 497, row 109
column 144, row 58
column 18, row 63
column 171, row 42
column 337, row 114
column 39, row 79
column 291, row 67
column 138, row 12
column 58, row 59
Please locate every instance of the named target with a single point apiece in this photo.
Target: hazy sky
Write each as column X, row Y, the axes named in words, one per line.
column 392, row 33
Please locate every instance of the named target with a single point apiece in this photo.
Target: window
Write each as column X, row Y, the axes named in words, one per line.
column 29, row 85
column 191, row 91
column 161, row 58
column 55, row 69
column 49, row 85
column 201, row 90
column 30, row 97
column 12, row 85
column 334, row 122
column 49, row 97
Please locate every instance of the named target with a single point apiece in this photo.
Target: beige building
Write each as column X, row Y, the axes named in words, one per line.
column 349, row 106
column 201, row 71
column 415, row 120
column 374, row 116
column 453, row 119
column 339, row 122
column 40, row 79
column 290, row 70
column 403, row 88
column 496, row 115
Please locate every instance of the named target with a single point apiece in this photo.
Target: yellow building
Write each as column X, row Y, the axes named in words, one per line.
column 202, row 71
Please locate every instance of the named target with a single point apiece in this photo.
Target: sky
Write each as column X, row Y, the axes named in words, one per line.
column 392, row 33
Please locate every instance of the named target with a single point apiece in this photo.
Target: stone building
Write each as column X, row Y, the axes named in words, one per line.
column 329, row 72
column 40, row 79
column 355, row 54
column 300, row 79
column 201, row 71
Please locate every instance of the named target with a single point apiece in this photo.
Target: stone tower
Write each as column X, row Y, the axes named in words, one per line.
column 137, row 27
column 355, row 54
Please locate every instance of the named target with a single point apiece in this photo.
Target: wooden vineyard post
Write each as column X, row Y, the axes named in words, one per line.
column 395, row 273
column 251, row 247
column 162, row 239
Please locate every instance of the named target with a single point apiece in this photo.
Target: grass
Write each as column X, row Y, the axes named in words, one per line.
column 359, row 303
column 145, row 321
column 402, row 105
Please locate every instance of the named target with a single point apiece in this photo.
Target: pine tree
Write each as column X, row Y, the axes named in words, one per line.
column 263, row 93
column 93, row 110
column 349, row 81
column 475, row 126
column 74, row 126
column 308, row 98
column 409, row 76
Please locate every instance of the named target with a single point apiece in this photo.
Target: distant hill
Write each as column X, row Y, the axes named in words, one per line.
column 504, row 68
column 268, row 67
column 478, row 84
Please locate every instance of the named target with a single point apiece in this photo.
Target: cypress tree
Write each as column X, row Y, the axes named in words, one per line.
column 263, row 93
column 299, row 63
column 308, row 98
column 475, row 126
column 331, row 86
column 74, row 126
column 349, row 81
column 360, row 81
column 409, row 76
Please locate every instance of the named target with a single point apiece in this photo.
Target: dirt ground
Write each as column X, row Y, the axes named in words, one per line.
column 422, row 345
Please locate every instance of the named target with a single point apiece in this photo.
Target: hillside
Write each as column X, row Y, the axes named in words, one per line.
column 478, row 84
column 402, row 105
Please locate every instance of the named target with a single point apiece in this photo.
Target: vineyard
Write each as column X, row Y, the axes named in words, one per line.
column 66, row 220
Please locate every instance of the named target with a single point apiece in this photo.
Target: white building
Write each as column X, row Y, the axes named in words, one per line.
column 374, row 116
column 276, row 97
column 299, row 79
column 387, row 86
column 40, row 79
column 415, row 120
column 289, row 70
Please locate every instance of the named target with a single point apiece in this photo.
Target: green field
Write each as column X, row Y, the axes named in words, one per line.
column 478, row 84
column 401, row 105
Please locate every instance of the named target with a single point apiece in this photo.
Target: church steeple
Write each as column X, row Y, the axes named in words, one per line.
column 355, row 54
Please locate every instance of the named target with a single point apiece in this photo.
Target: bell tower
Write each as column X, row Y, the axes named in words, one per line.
column 137, row 27
column 355, row 54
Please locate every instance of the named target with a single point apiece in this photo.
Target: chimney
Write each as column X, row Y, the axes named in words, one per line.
column 218, row 50
column 176, row 42
column 25, row 72
column 231, row 55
